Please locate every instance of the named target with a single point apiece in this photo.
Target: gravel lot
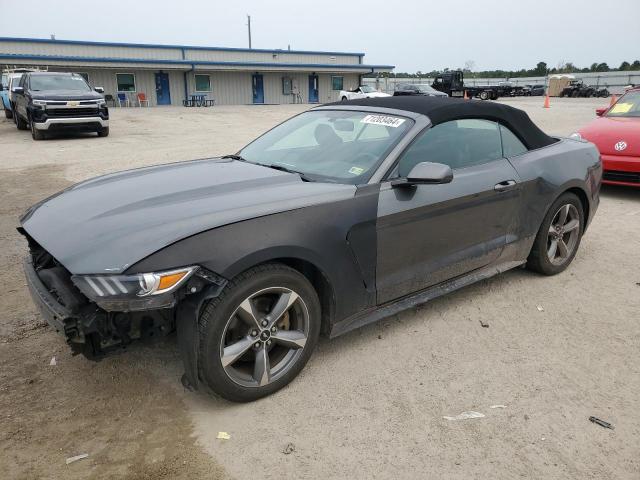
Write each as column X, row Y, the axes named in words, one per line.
column 369, row 404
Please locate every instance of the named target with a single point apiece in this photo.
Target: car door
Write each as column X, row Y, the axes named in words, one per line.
column 21, row 99
column 427, row 234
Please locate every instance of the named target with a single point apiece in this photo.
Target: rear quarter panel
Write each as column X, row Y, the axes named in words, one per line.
column 548, row 172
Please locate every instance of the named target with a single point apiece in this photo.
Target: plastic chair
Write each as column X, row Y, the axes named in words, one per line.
column 123, row 100
column 142, row 98
column 109, row 98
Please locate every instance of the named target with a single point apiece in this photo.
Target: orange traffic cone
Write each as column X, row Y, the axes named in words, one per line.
column 465, row 95
column 546, row 101
column 614, row 99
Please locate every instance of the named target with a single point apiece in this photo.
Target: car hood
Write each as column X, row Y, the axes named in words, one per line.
column 606, row 132
column 108, row 223
column 64, row 95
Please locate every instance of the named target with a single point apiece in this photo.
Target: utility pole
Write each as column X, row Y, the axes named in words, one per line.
column 249, row 28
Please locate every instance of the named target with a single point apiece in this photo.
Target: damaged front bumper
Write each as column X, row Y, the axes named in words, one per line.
column 72, row 325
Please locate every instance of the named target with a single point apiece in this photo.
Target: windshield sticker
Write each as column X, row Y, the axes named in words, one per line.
column 384, row 120
column 356, row 170
column 621, row 107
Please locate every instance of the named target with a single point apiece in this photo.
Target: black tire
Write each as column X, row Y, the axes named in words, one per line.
column 575, row 94
column 35, row 133
column 539, row 259
column 104, row 132
column 216, row 321
column 484, row 95
column 8, row 113
column 344, row 99
column 21, row 123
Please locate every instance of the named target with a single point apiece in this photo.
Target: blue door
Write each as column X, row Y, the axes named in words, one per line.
column 313, row 89
column 258, row 89
column 163, row 96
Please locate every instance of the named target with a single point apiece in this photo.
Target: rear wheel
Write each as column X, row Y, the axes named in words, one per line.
column 559, row 236
column 484, row 95
column 344, row 99
column 259, row 333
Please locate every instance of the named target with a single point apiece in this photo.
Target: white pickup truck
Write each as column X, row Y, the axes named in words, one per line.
column 363, row 91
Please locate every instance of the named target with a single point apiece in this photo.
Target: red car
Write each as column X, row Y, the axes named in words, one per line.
column 617, row 135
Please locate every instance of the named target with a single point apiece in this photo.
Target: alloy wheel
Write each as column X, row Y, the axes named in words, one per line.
column 564, row 233
column 264, row 337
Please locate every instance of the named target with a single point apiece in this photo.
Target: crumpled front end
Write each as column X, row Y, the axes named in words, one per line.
column 91, row 326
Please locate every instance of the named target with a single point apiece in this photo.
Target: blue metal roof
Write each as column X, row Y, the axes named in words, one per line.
column 185, row 47
column 356, row 66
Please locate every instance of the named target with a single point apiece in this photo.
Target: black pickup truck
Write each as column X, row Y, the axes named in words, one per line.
column 59, row 101
column 452, row 83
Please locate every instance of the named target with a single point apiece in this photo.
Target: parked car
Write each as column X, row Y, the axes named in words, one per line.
column 536, row 90
column 4, row 94
column 406, row 89
column 336, row 218
column 55, row 101
column 616, row 133
column 363, row 91
column 5, row 91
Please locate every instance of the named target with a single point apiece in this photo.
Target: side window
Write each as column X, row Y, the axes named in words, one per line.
column 459, row 144
column 511, row 145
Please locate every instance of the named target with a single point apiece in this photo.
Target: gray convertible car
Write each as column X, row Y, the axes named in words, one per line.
column 336, row 218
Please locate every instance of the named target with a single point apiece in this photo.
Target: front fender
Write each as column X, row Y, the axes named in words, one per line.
column 318, row 234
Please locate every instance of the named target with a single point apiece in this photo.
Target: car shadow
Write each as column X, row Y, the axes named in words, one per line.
column 620, row 192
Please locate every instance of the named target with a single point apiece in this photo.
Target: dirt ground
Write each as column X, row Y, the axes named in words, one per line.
column 369, row 404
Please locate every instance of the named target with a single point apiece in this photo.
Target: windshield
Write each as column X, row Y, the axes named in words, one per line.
column 367, row 89
column 627, row 106
column 329, row 145
column 58, row 82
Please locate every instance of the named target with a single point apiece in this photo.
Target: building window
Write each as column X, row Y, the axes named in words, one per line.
column 203, row 83
column 126, row 82
column 337, row 83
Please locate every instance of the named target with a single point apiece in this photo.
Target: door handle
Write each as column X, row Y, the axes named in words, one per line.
column 504, row 185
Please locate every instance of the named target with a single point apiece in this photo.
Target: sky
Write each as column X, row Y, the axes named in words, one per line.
column 412, row 35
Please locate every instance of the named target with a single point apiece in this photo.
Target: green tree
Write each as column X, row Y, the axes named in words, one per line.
column 594, row 67
column 635, row 65
column 624, row 66
column 602, row 67
column 541, row 69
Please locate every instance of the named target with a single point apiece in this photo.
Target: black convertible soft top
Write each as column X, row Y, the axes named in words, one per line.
column 444, row 109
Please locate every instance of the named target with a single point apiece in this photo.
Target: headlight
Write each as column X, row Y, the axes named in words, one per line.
column 101, row 102
column 141, row 291
column 576, row 136
column 40, row 103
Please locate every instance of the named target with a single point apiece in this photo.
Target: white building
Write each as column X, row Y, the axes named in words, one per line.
column 168, row 74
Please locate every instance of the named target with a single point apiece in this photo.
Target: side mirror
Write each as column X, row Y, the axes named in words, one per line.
column 18, row 90
column 426, row 173
column 601, row 111
column 99, row 89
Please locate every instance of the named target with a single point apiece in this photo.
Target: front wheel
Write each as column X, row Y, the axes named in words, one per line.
column 103, row 132
column 559, row 236
column 20, row 123
column 484, row 95
column 35, row 133
column 259, row 333
column 8, row 113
